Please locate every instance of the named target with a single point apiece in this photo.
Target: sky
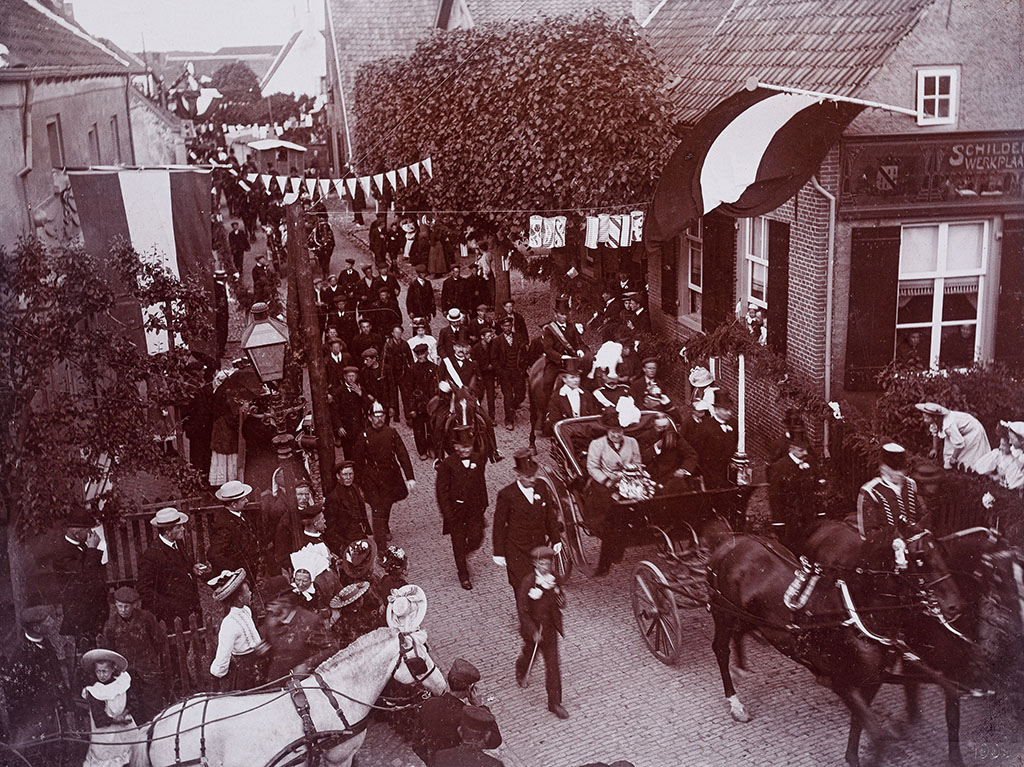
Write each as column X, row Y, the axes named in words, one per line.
column 198, row 25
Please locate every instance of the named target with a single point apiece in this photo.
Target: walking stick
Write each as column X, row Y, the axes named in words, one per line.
column 529, row 666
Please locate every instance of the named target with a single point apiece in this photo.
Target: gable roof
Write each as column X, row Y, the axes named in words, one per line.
column 486, row 11
column 39, row 38
column 711, row 47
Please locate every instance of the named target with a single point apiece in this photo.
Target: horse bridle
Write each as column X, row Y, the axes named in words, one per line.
column 405, row 654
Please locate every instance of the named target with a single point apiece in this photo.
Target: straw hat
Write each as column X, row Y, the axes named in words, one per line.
column 932, row 408
column 233, row 491
column 93, row 657
column 701, row 377
column 169, row 517
column 349, row 594
column 227, row 583
column 406, row 607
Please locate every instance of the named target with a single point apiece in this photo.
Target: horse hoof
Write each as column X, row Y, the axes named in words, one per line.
column 737, row 711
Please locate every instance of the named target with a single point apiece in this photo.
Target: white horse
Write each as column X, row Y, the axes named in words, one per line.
column 250, row 729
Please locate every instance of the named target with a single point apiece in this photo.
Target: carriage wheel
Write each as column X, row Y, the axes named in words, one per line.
column 656, row 613
column 586, row 548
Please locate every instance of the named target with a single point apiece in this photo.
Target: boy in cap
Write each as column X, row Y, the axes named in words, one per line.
column 462, row 500
column 482, row 353
column 792, row 492
column 541, row 601
column 135, row 633
column 890, row 499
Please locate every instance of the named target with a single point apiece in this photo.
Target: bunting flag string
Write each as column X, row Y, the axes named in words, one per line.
column 403, row 173
column 617, row 230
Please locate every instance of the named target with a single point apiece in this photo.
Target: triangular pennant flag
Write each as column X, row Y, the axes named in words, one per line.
column 403, row 173
column 364, row 182
column 310, row 186
column 339, row 187
column 283, row 184
column 265, row 178
column 250, row 177
column 415, row 168
column 392, row 178
column 290, row 197
column 325, row 188
column 428, row 167
column 351, row 184
column 378, row 179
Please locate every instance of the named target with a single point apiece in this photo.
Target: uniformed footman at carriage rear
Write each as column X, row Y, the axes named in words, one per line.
column 890, row 499
column 524, row 518
column 384, row 471
column 541, row 601
column 462, row 499
column 792, row 492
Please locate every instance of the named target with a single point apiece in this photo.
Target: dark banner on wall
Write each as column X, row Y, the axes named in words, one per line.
column 886, row 175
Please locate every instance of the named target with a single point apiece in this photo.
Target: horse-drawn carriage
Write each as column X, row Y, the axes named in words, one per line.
column 673, row 505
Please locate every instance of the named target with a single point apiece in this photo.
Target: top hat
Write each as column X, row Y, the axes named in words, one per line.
column 169, row 517
column 894, row 456
column 233, row 491
column 357, row 559
column 406, row 607
column 33, row 616
column 350, row 261
column 562, row 305
column 126, row 594
column 462, row 674
column 798, row 436
column 524, row 463
column 93, row 657
column 572, row 366
column 932, row 408
column 453, row 315
column 722, row 398
column 701, row 377
column 463, row 436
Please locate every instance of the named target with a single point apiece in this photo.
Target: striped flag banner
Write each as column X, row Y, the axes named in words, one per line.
column 161, row 211
column 747, row 156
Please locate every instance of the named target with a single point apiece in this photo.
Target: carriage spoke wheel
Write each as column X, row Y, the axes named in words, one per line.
column 656, row 613
column 586, row 548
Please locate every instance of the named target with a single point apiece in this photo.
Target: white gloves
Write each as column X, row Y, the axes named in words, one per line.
column 557, row 548
column 499, row 561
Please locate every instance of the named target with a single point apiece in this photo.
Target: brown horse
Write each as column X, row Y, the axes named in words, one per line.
column 839, row 630
column 974, row 652
column 460, row 408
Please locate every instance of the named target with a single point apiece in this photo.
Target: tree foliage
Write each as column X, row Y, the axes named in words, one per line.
column 75, row 390
column 237, row 83
column 533, row 116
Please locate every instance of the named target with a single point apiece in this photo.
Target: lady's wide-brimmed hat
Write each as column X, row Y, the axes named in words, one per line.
column 93, row 657
column 358, row 557
column 227, row 583
column 406, row 607
column 701, row 377
column 1017, row 427
column 610, row 418
column 932, row 408
column 233, row 491
column 349, row 594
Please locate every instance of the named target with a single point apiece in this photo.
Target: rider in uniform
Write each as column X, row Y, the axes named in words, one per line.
column 890, row 499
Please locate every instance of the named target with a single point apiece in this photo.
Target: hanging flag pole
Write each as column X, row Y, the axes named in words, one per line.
column 752, row 83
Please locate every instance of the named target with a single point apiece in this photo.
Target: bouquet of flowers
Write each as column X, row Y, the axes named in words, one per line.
column 636, row 484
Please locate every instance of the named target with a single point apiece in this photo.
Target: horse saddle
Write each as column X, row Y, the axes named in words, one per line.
column 804, row 581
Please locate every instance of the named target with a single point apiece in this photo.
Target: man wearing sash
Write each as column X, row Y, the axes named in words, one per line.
column 560, row 339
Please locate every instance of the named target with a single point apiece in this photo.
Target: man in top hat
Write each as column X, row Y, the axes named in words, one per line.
column 234, row 542
column 459, row 370
column 475, row 727
column 524, row 518
column 166, row 580
column 384, row 470
column 571, row 400
column 560, row 339
column 890, row 499
column 453, row 291
column 447, row 335
column 345, row 509
column 792, row 492
column 716, row 439
column 38, row 699
column 541, row 600
column 419, row 386
column 441, row 715
column 462, row 500
column 239, row 244
column 419, row 298
column 81, row 580
column 483, row 354
column 509, row 352
column 135, row 633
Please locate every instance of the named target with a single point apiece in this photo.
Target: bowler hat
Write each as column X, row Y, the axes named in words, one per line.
column 233, row 491
column 798, row 436
column 421, row 268
column 462, row 674
column 309, row 512
column 367, row 267
column 572, row 366
column 168, row 517
column 524, row 463
column 350, row 261
column 126, row 594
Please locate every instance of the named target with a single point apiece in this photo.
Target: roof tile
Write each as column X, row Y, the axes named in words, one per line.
column 37, row 36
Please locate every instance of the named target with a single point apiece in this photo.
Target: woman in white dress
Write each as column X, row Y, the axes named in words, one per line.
column 962, row 437
column 112, row 726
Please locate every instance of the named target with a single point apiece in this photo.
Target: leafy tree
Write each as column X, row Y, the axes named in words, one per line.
column 529, row 116
column 76, row 395
column 237, row 82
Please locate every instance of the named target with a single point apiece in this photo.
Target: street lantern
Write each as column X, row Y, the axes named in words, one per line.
column 264, row 341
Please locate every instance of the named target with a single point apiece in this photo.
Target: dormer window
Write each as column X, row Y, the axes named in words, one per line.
column 938, row 90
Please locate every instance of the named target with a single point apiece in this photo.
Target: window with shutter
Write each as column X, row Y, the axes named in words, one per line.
column 718, row 273
column 871, row 326
column 668, row 252
column 778, row 285
column 1010, row 311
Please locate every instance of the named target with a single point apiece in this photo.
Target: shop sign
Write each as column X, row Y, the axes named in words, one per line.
column 887, row 174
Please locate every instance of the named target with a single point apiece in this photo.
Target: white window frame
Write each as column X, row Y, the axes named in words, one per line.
column 691, row 242
column 750, row 258
column 56, row 162
column 939, row 277
column 954, row 95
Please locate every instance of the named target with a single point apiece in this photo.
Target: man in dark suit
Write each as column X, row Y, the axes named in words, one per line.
column 716, row 439
column 239, row 244
column 792, row 489
column 571, row 400
column 462, row 499
column 519, row 324
column 524, row 518
column 166, row 583
column 447, row 334
column 347, row 409
column 459, row 370
column 475, row 726
column 337, row 360
column 635, row 316
column 233, row 539
column 440, row 716
column 509, row 352
column 345, row 510
column 348, row 279
column 484, row 356
column 81, row 580
column 366, row 288
column 384, row 471
column 541, row 601
column 365, row 339
column 389, row 282
column 419, row 385
column 419, row 299
column 453, row 291
column 560, row 339
column 384, row 313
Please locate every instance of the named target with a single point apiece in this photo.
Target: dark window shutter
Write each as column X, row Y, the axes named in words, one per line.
column 778, row 285
column 874, row 281
column 1010, row 312
column 719, row 270
column 669, row 254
